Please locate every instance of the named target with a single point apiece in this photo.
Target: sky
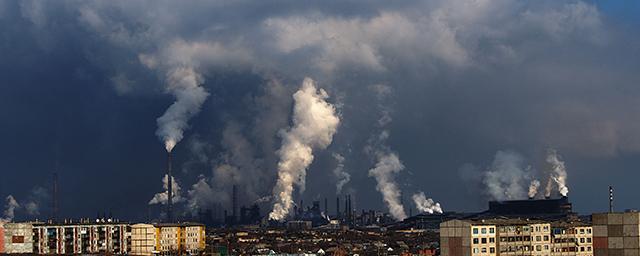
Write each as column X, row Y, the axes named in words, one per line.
column 469, row 96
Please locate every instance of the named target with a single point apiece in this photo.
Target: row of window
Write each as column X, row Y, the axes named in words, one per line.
column 484, row 250
column 572, row 240
column 483, row 240
column 484, row 231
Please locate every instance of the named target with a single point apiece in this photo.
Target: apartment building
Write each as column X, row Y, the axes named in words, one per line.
column 616, row 234
column 514, row 237
column 99, row 236
column 167, row 239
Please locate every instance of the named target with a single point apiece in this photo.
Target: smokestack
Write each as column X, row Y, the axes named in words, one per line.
column 234, row 203
column 169, row 189
column 610, row 199
column 326, row 207
column 337, row 207
column 54, row 205
column 350, row 213
column 346, row 207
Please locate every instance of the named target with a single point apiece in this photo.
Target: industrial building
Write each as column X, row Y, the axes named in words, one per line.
column 515, row 237
column 616, row 234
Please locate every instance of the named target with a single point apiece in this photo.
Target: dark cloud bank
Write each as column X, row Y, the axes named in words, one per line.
column 461, row 92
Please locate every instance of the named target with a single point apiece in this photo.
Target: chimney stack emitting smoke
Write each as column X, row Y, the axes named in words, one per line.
column 169, row 189
column 314, row 123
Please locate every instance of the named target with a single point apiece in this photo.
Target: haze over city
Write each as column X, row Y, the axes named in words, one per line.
column 407, row 107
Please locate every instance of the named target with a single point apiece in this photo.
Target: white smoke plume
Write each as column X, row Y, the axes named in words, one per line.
column 342, row 176
column 162, row 197
column 426, row 205
column 184, row 84
column 558, row 171
column 388, row 165
column 314, row 124
column 506, row 177
column 549, row 188
column 9, row 209
column 533, row 188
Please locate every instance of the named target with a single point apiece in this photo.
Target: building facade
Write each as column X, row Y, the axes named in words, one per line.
column 616, row 234
column 167, row 239
column 514, row 237
column 104, row 237
column 16, row 238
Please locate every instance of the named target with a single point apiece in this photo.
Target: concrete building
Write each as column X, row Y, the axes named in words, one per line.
column 16, row 238
column 180, row 238
column 616, row 234
column 514, row 237
column 101, row 236
column 143, row 239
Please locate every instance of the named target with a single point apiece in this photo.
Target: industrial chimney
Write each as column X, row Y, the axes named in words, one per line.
column 169, row 190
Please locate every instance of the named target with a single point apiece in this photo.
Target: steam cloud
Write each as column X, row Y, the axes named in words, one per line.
column 162, row 197
column 548, row 189
column 314, row 124
column 184, row 84
column 342, row 176
column 558, row 171
column 533, row 188
column 506, row 176
column 9, row 209
column 426, row 205
column 389, row 164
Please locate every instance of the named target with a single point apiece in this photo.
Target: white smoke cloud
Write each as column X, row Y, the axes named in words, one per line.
column 342, row 176
column 558, row 171
column 314, row 123
column 549, row 187
column 533, row 188
column 387, row 166
column 426, row 205
column 9, row 209
column 162, row 197
column 506, row 177
column 184, row 84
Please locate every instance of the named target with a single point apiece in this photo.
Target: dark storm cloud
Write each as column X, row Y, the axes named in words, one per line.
column 82, row 84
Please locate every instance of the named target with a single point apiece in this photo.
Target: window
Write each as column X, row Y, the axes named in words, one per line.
column 588, row 248
column 545, row 228
column 582, row 248
column 475, row 241
column 492, row 240
column 475, row 250
column 475, row 231
column 588, row 239
column 546, row 238
column 538, row 248
column 484, row 250
column 503, row 239
column 492, row 250
column 484, row 240
column 582, row 231
column 492, row 230
column 582, row 240
column 588, row 230
column 527, row 238
column 483, row 230
column 546, row 247
column 538, row 238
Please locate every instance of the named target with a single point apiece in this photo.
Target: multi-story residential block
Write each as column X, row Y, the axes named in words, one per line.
column 167, row 239
column 101, row 236
column 616, row 234
column 514, row 237
column 143, row 239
